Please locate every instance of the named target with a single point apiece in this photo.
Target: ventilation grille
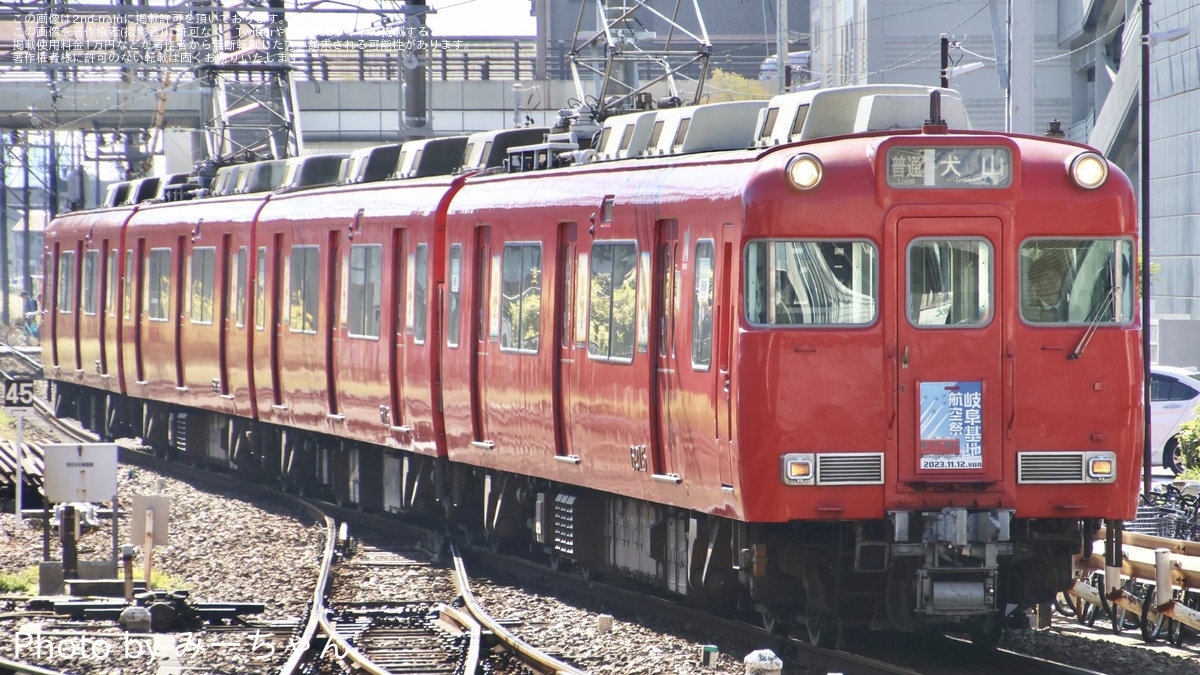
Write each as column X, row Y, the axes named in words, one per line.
column 1050, row 467
column 850, row 469
column 564, row 524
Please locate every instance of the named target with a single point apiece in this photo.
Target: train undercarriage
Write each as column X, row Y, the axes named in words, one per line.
column 956, row 568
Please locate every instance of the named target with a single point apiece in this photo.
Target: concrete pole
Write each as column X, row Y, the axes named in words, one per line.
column 1020, row 55
column 781, row 45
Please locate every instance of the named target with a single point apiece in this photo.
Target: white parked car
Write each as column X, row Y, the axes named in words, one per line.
column 1174, row 395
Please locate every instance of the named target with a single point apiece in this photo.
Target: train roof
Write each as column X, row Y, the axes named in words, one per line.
column 303, row 172
column 717, row 127
column 821, row 113
column 369, row 165
column 431, row 157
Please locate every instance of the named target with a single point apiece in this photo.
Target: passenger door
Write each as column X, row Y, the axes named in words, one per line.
column 664, row 412
column 949, row 356
column 564, row 340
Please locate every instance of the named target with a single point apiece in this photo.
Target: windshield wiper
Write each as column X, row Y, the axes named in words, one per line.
column 1091, row 327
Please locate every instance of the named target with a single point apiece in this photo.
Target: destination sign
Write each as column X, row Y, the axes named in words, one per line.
column 949, row 167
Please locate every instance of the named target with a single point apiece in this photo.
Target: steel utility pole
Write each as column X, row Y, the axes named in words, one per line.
column 945, row 61
column 4, row 273
column 1144, row 172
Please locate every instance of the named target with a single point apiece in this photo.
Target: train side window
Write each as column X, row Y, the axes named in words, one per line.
column 237, row 287
column 419, row 282
column 454, row 311
column 91, row 281
column 201, row 291
column 365, row 300
column 950, row 282
column 303, row 290
column 521, row 298
column 1076, row 280
column 613, row 298
column 260, row 289
column 128, row 284
column 158, row 284
column 702, row 306
column 811, row 282
column 66, row 281
column 110, row 299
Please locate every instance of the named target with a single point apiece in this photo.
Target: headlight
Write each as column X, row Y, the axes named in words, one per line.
column 1089, row 170
column 797, row 468
column 1102, row 467
column 804, row 172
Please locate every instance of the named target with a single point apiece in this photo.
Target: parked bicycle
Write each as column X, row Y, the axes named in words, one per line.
column 22, row 331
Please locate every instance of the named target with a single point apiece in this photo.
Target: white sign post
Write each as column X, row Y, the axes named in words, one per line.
column 148, row 526
column 81, row 472
column 18, row 402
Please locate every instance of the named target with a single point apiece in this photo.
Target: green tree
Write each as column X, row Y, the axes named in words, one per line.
column 723, row 86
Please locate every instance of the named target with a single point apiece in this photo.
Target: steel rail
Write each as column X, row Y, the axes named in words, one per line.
column 532, row 656
column 7, row 666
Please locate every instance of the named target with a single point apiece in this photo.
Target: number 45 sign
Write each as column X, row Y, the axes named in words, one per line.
column 18, row 396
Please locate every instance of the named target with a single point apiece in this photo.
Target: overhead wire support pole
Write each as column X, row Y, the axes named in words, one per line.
column 1144, row 174
column 945, row 61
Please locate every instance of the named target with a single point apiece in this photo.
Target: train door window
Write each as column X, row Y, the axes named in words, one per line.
column 158, row 286
column 110, row 299
column 260, row 289
column 702, row 306
column 581, row 300
column 366, row 295
column 66, row 281
column 1077, row 280
column 813, row 283
column 202, row 281
column 91, row 282
column 950, row 282
column 454, row 311
column 303, row 294
column 521, row 298
column 237, row 286
column 128, row 284
column 613, row 298
column 419, row 266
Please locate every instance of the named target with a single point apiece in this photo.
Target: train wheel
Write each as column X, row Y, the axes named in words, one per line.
column 558, row 563
column 772, row 622
column 822, row 630
column 986, row 632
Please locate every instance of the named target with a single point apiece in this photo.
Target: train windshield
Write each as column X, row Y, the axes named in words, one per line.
column 1077, row 281
column 949, row 282
column 811, row 282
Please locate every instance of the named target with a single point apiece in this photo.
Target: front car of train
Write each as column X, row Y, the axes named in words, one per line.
column 940, row 362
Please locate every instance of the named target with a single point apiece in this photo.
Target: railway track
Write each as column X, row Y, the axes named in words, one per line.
column 379, row 637
column 425, row 636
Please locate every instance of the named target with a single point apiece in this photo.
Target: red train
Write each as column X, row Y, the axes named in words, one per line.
column 819, row 357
